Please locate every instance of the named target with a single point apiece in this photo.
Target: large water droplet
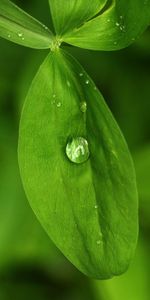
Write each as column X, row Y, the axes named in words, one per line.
column 77, row 150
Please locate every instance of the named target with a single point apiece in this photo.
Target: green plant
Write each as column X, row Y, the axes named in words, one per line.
column 75, row 165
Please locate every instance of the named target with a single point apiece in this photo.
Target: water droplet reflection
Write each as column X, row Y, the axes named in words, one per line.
column 77, row 150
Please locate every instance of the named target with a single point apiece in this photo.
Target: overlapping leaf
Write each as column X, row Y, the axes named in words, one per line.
column 89, row 210
column 117, row 27
column 122, row 287
column 19, row 27
column 72, row 13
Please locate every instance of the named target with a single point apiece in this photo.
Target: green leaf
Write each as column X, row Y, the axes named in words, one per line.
column 72, row 13
column 133, row 284
column 89, row 209
column 117, row 27
column 19, row 27
column 30, row 242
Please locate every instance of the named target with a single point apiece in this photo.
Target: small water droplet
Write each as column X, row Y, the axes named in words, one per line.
column 83, row 106
column 98, row 242
column 96, row 206
column 20, row 34
column 115, row 43
column 9, row 35
column 45, row 27
column 53, row 100
column 80, row 74
column 59, row 104
column 117, row 24
column 108, row 20
column 87, row 81
column 77, row 150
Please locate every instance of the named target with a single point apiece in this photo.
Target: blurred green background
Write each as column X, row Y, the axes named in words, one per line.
column 30, row 265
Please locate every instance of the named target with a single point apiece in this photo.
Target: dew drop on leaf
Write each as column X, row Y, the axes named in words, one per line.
column 58, row 104
column 77, row 150
column 83, row 106
column 45, row 27
column 87, row 81
column 20, row 34
column 80, row 74
column 98, row 242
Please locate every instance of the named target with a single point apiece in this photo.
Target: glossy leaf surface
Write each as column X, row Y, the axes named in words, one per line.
column 19, row 27
column 72, row 13
column 116, row 27
column 89, row 209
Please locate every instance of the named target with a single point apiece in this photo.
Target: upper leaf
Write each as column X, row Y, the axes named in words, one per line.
column 89, row 209
column 73, row 13
column 117, row 27
column 19, row 27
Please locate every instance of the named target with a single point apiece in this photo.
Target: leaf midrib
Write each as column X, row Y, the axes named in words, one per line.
column 70, row 34
column 36, row 33
column 90, row 165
